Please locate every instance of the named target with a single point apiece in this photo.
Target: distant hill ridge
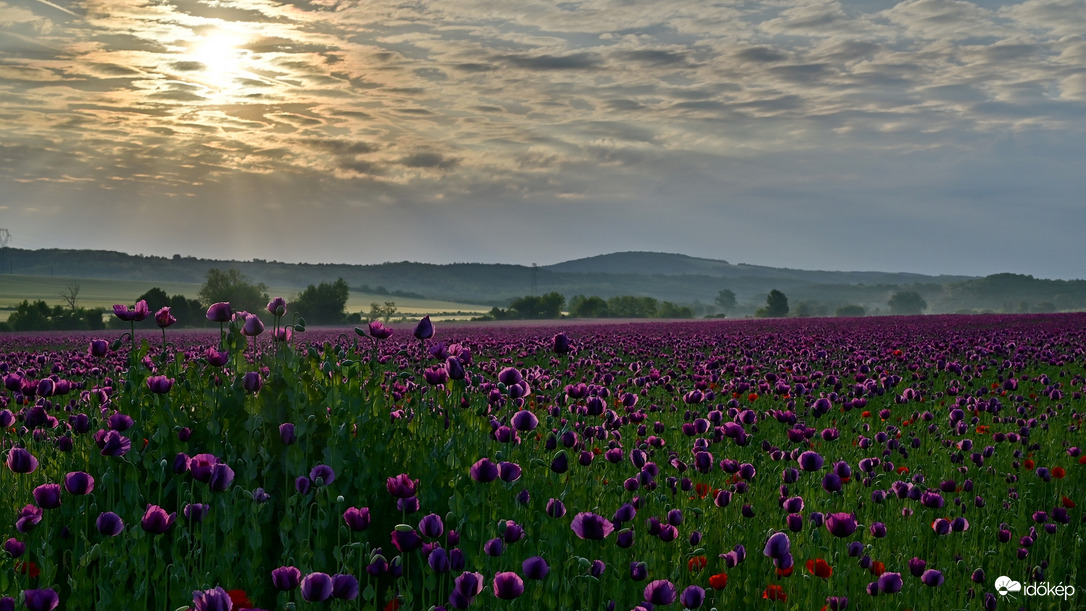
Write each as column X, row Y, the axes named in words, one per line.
column 672, row 277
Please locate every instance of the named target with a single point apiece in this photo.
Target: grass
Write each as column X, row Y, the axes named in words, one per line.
column 103, row 293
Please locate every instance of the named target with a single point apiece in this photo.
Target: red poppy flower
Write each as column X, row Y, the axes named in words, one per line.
column 1028, row 463
column 866, row 414
column 902, row 470
column 1067, row 502
column 22, row 569
column 701, row 489
column 752, row 396
column 774, row 592
column 1058, row 472
column 785, row 572
column 696, row 563
column 718, row 581
column 877, row 568
column 819, row 568
column 239, row 598
column 393, row 605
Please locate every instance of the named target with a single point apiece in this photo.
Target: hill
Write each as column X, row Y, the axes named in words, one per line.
column 672, row 277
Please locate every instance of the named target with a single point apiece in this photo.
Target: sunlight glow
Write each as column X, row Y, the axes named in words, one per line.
column 222, row 59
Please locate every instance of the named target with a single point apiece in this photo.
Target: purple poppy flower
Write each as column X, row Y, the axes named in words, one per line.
column 47, row 496
column 508, row 471
column 588, row 525
column 777, row 546
column 439, row 561
column 535, row 568
column 484, row 471
column 253, row 326
column 217, row 358
column 406, row 540
column 378, row 330
column 156, row 521
column 286, row 578
column 840, row 524
column 431, row 526
column 317, row 587
column 41, row 600
column 661, row 592
column 344, row 587
column 221, row 477
column 21, row 461
column 408, row 505
column 29, row 517
column 196, row 512
column 810, row 461
column 508, row 585
column 163, row 318
column 215, row 599
column 560, row 344
column 324, row 473
column 98, row 348
column 220, row 312
column 836, row 603
column 14, row 547
column 277, row 306
column 890, row 583
column 136, row 314
column 877, row 529
column 555, row 508
column 454, row 368
column 401, row 486
column 524, row 421
column 932, row 578
column 286, row 433
column 252, row 382
column 109, row 524
column 494, row 547
column 639, row 571
column 424, row 329
column 597, row 568
column 917, row 565
column 357, row 519
column 692, row 597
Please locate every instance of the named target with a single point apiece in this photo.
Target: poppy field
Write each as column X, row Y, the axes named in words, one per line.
column 906, row 463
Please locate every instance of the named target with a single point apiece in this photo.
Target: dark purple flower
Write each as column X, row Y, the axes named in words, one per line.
column 21, row 461
column 494, row 547
column 555, row 508
column 286, row 578
column 560, row 344
column 217, row 358
column 286, row 433
column 431, row 526
column 195, row 512
column 535, row 568
column 156, row 521
column 47, row 496
column 221, row 477
column 454, row 367
column 890, row 583
column 692, row 597
column 810, row 461
column 877, row 529
column 484, row 471
column 524, row 421
column 840, row 524
column 163, row 318
column 136, row 314
column 41, row 600
column 424, row 329
column 378, row 330
column 917, row 565
column 661, row 592
column 932, row 578
column 344, row 587
column 277, row 306
column 14, row 547
column 98, row 347
column 439, row 561
column 29, row 517
column 777, row 546
column 252, row 382
column 253, row 326
column 316, row 587
column 836, row 603
column 109, row 524
column 219, row 312
column 406, row 540
column 639, row 571
column 508, row 471
column 357, row 519
column 215, row 599
column 587, row 525
column 508, row 585
column 324, row 473
column 401, row 486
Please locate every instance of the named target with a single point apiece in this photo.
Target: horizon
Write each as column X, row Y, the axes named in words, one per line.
column 921, row 136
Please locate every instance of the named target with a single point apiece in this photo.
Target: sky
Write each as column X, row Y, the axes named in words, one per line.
column 930, row 136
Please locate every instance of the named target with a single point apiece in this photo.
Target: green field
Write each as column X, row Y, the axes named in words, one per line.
column 103, row 293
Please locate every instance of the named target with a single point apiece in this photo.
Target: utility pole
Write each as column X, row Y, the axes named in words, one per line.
column 5, row 237
column 535, row 279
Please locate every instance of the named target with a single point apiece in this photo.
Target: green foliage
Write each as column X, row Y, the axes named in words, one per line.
column 323, row 304
column 38, row 316
column 776, row 306
column 851, row 310
column 382, row 312
column 587, row 307
column 809, row 309
column 671, row 310
column 533, row 307
column 725, row 300
column 627, row 306
column 907, row 303
column 234, row 287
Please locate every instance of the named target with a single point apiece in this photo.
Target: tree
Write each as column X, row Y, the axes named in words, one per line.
column 587, row 307
column 234, row 287
column 156, row 298
column 323, row 304
column 851, row 310
column 537, row 308
column 725, row 300
column 907, row 303
column 776, row 306
column 382, row 312
column 70, row 294
column 628, row 306
column 671, row 310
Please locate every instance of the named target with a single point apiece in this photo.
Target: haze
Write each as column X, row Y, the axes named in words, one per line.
column 931, row 136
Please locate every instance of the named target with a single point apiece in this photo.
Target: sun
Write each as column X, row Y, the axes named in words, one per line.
column 220, row 56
